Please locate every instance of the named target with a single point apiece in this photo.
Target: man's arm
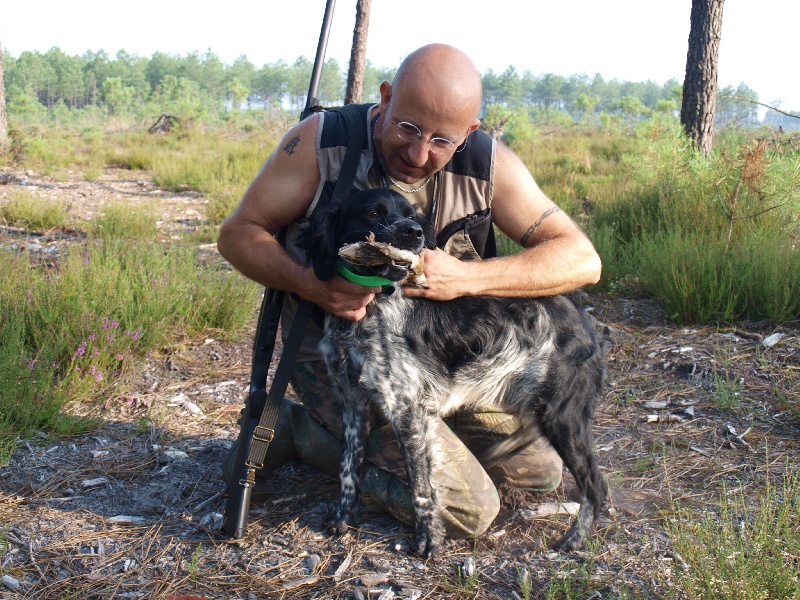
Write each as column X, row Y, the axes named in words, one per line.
column 556, row 257
column 281, row 193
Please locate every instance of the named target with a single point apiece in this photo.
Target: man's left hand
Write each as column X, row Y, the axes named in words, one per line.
column 443, row 274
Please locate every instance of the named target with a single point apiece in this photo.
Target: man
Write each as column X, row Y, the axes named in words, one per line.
column 424, row 144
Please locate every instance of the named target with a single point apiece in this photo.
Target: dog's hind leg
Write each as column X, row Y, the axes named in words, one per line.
column 573, row 441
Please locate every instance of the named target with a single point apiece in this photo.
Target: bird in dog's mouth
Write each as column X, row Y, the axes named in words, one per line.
column 383, row 259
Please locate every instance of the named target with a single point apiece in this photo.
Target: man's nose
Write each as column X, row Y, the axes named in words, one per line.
column 418, row 152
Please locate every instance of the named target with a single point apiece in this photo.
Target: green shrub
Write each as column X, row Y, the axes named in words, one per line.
column 78, row 329
column 747, row 546
column 26, row 210
column 125, row 222
column 713, row 240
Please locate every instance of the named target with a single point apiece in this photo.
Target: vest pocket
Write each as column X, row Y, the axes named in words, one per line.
column 469, row 238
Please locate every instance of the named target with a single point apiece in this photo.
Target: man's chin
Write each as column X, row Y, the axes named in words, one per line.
column 408, row 175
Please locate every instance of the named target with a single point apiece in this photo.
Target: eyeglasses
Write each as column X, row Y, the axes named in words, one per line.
column 408, row 132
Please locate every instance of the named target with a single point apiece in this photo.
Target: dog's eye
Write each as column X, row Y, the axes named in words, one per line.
column 373, row 215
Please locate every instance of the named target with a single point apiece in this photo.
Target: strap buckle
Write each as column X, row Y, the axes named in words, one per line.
column 263, row 434
column 250, row 478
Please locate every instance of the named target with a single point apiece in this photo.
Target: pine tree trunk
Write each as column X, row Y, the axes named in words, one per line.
column 358, row 54
column 700, row 86
column 3, row 122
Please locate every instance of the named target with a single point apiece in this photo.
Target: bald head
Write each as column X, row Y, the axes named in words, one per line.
column 437, row 92
column 443, row 72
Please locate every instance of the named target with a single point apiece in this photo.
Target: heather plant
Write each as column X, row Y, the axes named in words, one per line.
column 745, row 545
column 29, row 212
column 221, row 169
column 125, row 222
column 71, row 332
column 27, row 402
column 100, row 358
column 712, row 239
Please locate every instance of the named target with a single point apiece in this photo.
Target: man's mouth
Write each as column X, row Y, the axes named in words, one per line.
column 406, row 170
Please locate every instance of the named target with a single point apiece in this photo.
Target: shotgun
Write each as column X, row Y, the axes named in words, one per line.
column 238, row 505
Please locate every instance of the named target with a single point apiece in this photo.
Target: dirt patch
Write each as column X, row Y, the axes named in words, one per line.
column 133, row 509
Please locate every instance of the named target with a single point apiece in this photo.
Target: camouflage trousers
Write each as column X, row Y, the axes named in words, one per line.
column 467, row 492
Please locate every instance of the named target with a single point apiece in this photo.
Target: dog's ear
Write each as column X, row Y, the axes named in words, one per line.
column 319, row 243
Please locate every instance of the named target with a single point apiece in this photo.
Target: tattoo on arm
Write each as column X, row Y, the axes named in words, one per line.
column 535, row 226
column 291, row 145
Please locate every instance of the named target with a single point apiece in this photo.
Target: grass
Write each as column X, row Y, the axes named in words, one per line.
column 26, row 211
column 71, row 333
column 216, row 165
column 575, row 580
column 73, row 330
column 713, row 240
column 221, row 169
column 125, row 222
column 745, row 547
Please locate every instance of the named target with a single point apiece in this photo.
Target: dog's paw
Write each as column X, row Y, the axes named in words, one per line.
column 572, row 540
column 428, row 541
column 341, row 524
column 338, row 527
column 425, row 546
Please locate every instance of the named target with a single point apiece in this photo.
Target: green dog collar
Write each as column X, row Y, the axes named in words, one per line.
column 366, row 281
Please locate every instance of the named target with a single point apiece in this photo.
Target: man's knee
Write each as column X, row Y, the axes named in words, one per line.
column 469, row 513
column 537, row 468
column 466, row 511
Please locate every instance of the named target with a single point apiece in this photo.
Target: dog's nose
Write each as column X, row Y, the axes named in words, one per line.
column 410, row 228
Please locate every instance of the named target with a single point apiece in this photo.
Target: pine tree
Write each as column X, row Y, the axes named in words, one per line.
column 3, row 123
column 700, row 86
column 355, row 74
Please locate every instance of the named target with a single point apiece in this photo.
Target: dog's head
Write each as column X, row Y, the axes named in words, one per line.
column 385, row 214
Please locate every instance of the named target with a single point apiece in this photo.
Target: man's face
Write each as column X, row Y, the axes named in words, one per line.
column 410, row 161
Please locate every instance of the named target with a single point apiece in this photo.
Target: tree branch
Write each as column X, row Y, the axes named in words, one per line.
column 760, row 104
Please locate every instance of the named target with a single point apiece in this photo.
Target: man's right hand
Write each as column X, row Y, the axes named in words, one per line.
column 343, row 298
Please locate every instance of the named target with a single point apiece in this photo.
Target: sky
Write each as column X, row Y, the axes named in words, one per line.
column 628, row 40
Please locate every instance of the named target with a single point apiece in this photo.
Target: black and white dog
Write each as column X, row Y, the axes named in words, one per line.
column 412, row 360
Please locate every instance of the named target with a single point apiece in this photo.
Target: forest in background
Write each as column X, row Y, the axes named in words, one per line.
column 56, row 88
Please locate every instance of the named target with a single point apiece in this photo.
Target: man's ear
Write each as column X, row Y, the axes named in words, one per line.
column 386, row 95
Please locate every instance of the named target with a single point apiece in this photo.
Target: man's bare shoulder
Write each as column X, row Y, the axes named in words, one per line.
column 287, row 182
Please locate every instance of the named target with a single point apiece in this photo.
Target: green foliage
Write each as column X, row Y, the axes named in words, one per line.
column 747, row 546
column 123, row 222
column 221, row 169
column 29, row 212
column 712, row 240
column 71, row 334
column 514, row 124
column 28, row 402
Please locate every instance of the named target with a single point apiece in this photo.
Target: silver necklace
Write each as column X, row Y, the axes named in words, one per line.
column 402, row 189
column 393, row 181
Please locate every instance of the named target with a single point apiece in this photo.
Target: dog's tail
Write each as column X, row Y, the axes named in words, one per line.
column 508, row 447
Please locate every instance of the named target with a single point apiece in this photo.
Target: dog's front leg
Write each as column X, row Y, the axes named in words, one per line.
column 415, row 432
column 355, row 415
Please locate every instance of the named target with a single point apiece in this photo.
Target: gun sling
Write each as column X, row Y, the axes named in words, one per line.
column 261, row 409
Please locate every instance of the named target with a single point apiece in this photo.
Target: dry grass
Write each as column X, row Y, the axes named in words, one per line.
column 58, row 537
